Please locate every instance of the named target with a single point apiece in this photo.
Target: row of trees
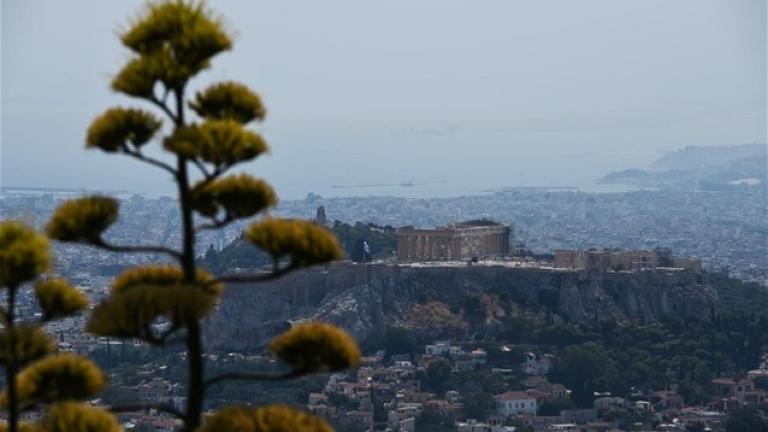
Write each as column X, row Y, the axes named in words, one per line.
column 170, row 43
column 618, row 358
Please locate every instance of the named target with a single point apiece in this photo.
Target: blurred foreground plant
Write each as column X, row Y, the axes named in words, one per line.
column 171, row 42
column 36, row 376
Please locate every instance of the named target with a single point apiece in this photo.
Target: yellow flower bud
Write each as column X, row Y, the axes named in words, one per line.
column 57, row 298
column 32, row 344
column 239, row 196
column 137, row 78
column 270, row 418
column 131, row 312
column 162, row 275
column 22, row 427
column 56, row 378
column 184, row 26
column 82, row 219
column 173, row 41
column 316, row 347
column 77, row 417
column 120, row 127
column 304, row 242
column 229, row 100
column 219, row 142
column 24, row 254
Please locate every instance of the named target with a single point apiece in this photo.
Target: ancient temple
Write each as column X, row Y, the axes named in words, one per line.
column 467, row 240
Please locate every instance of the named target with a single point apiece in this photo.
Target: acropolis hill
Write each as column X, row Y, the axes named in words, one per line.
column 431, row 298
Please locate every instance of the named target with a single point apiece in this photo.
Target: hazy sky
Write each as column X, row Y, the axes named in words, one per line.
column 475, row 94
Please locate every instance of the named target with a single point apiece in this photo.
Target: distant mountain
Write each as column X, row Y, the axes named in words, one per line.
column 700, row 168
column 633, row 176
column 694, row 158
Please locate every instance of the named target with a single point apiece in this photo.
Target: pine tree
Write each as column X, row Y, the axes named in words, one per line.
column 171, row 42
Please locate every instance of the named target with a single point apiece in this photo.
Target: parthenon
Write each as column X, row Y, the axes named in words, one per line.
column 466, row 240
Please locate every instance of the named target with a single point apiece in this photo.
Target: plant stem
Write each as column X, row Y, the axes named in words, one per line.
column 254, row 376
column 100, row 243
column 10, row 369
column 196, row 393
column 196, row 389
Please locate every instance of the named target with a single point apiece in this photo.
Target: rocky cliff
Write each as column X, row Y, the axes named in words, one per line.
column 443, row 301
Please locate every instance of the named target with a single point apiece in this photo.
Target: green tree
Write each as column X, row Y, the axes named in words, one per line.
column 554, row 406
column 437, row 373
column 492, row 382
column 395, row 340
column 170, row 43
column 745, row 420
column 478, row 405
column 382, row 240
column 432, row 420
column 761, row 382
column 583, row 369
column 35, row 373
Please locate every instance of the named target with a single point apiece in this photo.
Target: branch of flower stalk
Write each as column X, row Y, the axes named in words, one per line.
column 201, row 167
column 137, row 154
column 208, row 176
column 253, row 376
column 144, row 406
column 261, row 277
column 217, row 223
column 99, row 242
column 161, row 104
column 30, row 405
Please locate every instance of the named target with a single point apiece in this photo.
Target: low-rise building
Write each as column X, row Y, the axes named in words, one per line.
column 537, row 365
column 512, row 403
column 578, row 415
column 668, row 400
column 155, row 390
column 608, row 402
column 472, row 425
column 441, row 349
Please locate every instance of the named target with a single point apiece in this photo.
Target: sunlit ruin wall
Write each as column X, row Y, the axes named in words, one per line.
column 622, row 260
column 471, row 239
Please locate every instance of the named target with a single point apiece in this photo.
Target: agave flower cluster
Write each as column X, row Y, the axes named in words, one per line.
column 36, row 375
column 207, row 136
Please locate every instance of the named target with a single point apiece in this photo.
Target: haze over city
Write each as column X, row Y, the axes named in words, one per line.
column 454, row 96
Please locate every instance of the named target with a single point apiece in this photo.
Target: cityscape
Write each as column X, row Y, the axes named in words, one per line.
column 342, row 216
column 398, row 390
